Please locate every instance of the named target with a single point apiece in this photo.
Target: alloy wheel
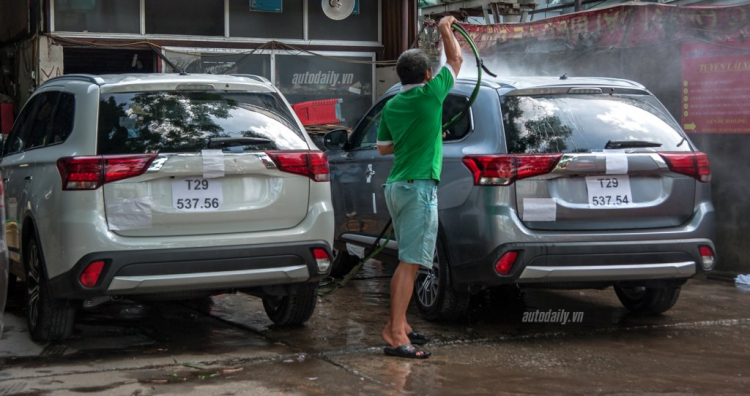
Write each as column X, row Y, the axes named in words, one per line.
column 427, row 283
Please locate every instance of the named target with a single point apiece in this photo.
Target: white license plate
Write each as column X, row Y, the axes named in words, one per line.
column 606, row 192
column 197, row 195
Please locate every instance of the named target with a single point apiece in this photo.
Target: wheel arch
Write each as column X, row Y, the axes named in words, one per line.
column 29, row 229
column 443, row 238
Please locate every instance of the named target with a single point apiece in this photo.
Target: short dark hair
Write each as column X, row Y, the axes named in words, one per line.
column 412, row 66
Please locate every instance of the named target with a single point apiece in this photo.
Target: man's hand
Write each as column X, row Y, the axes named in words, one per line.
column 450, row 44
column 446, row 22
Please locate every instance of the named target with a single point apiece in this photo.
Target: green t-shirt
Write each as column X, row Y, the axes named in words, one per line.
column 412, row 122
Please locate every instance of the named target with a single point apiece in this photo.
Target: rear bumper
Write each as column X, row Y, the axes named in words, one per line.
column 602, row 263
column 607, row 272
column 134, row 272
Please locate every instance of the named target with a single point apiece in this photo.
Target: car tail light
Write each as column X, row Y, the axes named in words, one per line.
column 90, row 173
column 503, row 170
column 505, row 264
column 322, row 259
column 708, row 260
column 313, row 164
column 319, row 167
column 691, row 164
column 90, row 276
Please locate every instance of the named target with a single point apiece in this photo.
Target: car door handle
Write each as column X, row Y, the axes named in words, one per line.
column 369, row 172
column 5, row 180
column 29, row 178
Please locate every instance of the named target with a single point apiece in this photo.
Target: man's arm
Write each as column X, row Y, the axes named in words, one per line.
column 385, row 149
column 385, row 140
column 450, row 44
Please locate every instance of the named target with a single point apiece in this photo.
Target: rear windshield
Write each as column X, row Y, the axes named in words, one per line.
column 188, row 122
column 586, row 123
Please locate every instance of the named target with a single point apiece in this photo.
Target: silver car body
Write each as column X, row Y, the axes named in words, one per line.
column 265, row 212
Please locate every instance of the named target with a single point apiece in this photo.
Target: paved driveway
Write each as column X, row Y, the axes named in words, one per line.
column 226, row 345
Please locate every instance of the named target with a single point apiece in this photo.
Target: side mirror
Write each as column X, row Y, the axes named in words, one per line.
column 335, row 140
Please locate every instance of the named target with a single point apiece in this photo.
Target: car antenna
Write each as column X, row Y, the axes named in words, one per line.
column 564, row 76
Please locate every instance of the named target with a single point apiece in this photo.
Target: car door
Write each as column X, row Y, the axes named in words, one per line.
column 366, row 172
column 15, row 168
column 358, row 174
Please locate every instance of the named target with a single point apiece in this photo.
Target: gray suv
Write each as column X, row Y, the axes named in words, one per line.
column 547, row 182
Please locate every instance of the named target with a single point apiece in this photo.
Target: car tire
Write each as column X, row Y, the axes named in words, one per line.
column 343, row 263
column 648, row 300
column 48, row 318
column 433, row 293
column 293, row 309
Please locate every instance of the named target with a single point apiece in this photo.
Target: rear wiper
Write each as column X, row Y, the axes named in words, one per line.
column 235, row 141
column 620, row 144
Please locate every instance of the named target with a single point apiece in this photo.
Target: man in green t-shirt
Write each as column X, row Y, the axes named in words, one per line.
column 411, row 129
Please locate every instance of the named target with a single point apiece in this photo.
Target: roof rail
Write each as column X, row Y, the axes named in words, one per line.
column 253, row 77
column 80, row 77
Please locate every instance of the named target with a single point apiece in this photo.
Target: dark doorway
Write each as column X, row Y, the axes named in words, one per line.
column 108, row 61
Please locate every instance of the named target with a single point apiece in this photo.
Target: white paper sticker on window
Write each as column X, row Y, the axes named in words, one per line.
column 539, row 209
column 213, row 164
column 129, row 214
column 617, row 163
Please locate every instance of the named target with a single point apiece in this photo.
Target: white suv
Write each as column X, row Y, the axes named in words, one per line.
column 163, row 186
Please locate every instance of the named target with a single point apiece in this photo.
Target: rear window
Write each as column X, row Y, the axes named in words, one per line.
column 586, row 123
column 188, row 122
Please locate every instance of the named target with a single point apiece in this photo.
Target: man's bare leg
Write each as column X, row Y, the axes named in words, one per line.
column 402, row 286
column 387, row 331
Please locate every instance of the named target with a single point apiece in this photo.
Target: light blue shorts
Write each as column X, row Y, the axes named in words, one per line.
column 413, row 209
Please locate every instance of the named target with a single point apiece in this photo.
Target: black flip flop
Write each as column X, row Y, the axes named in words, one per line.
column 407, row 351
column 417, row 339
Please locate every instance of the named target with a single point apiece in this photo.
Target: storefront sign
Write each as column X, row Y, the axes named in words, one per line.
column 716, row 87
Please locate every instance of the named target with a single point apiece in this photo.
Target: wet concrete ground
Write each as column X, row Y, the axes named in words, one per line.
column 225, row 345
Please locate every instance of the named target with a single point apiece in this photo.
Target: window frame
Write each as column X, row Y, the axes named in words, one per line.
column 381, row 105
column 34, row 103
column 141, row 22
column 199, row 51
column 660, row 112
column 54, row 118
column 354, row 135
column 289, row 120
column 51, row 120
column 472, row 127
column 154, row 21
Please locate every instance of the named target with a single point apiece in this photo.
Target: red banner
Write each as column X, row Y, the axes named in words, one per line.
column 716, row 87
column 624, row 26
